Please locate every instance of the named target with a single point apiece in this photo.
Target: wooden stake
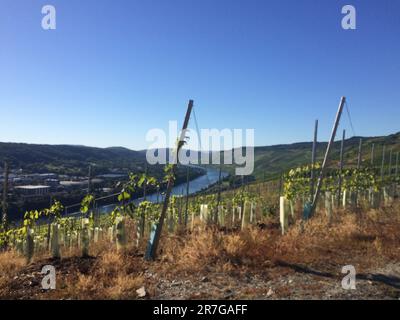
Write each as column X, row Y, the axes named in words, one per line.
column 187, row 196
column 158, row 193
column 341, row 168
column 372, row 154
column 219, row 194
column 145, row 182
column 313, row 157
column 180, row 199
column 359, row 159
column 90, row 179
column 151, row 251
column 396, row 174
column 324, row 164
column 244, row 217
column 280, row 184
column 328, row 205
column 383, row 163
column 5, row 195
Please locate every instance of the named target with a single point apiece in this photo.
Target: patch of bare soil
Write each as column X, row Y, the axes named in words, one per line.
column 278, row 281
column 257, row 263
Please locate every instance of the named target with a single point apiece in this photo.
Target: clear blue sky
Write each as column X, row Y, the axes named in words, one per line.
column 114, row 69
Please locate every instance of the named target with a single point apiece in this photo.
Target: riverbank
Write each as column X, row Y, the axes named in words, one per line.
column 107, row 203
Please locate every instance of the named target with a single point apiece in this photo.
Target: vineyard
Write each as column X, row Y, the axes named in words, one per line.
column 199, row 158
column 236, row 230
column 282, row 238
column 48, row 230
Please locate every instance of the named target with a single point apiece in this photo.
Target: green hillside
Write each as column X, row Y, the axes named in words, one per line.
column 74, row 159
column 68, row 159
column 272, row 160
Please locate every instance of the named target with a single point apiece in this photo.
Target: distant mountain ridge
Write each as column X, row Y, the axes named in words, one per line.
column 72, row 159
column 270, row 161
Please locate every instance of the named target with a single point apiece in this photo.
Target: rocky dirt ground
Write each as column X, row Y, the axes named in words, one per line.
column 279, row 280
column 258, row 263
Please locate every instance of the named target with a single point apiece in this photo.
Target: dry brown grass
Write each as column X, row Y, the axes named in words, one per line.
column 10, row 265
column 368, row 238
column 364, row 239
column 210, row 247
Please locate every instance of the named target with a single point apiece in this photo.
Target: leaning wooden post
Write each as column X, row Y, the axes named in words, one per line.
column 309, row 210
column 313, row 157
column 244, row 216
column 152, row 246
column 341, row 164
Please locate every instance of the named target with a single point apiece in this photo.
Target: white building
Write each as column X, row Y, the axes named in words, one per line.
column 33, row 191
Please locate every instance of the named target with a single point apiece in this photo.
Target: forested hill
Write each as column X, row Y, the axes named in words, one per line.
column 270, row 161
column 70, row 159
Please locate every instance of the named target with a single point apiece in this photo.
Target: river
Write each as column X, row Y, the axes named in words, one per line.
column 195, row 185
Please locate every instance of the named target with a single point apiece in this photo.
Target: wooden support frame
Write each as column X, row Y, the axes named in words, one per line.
column 311, row 208
column 151, row 251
